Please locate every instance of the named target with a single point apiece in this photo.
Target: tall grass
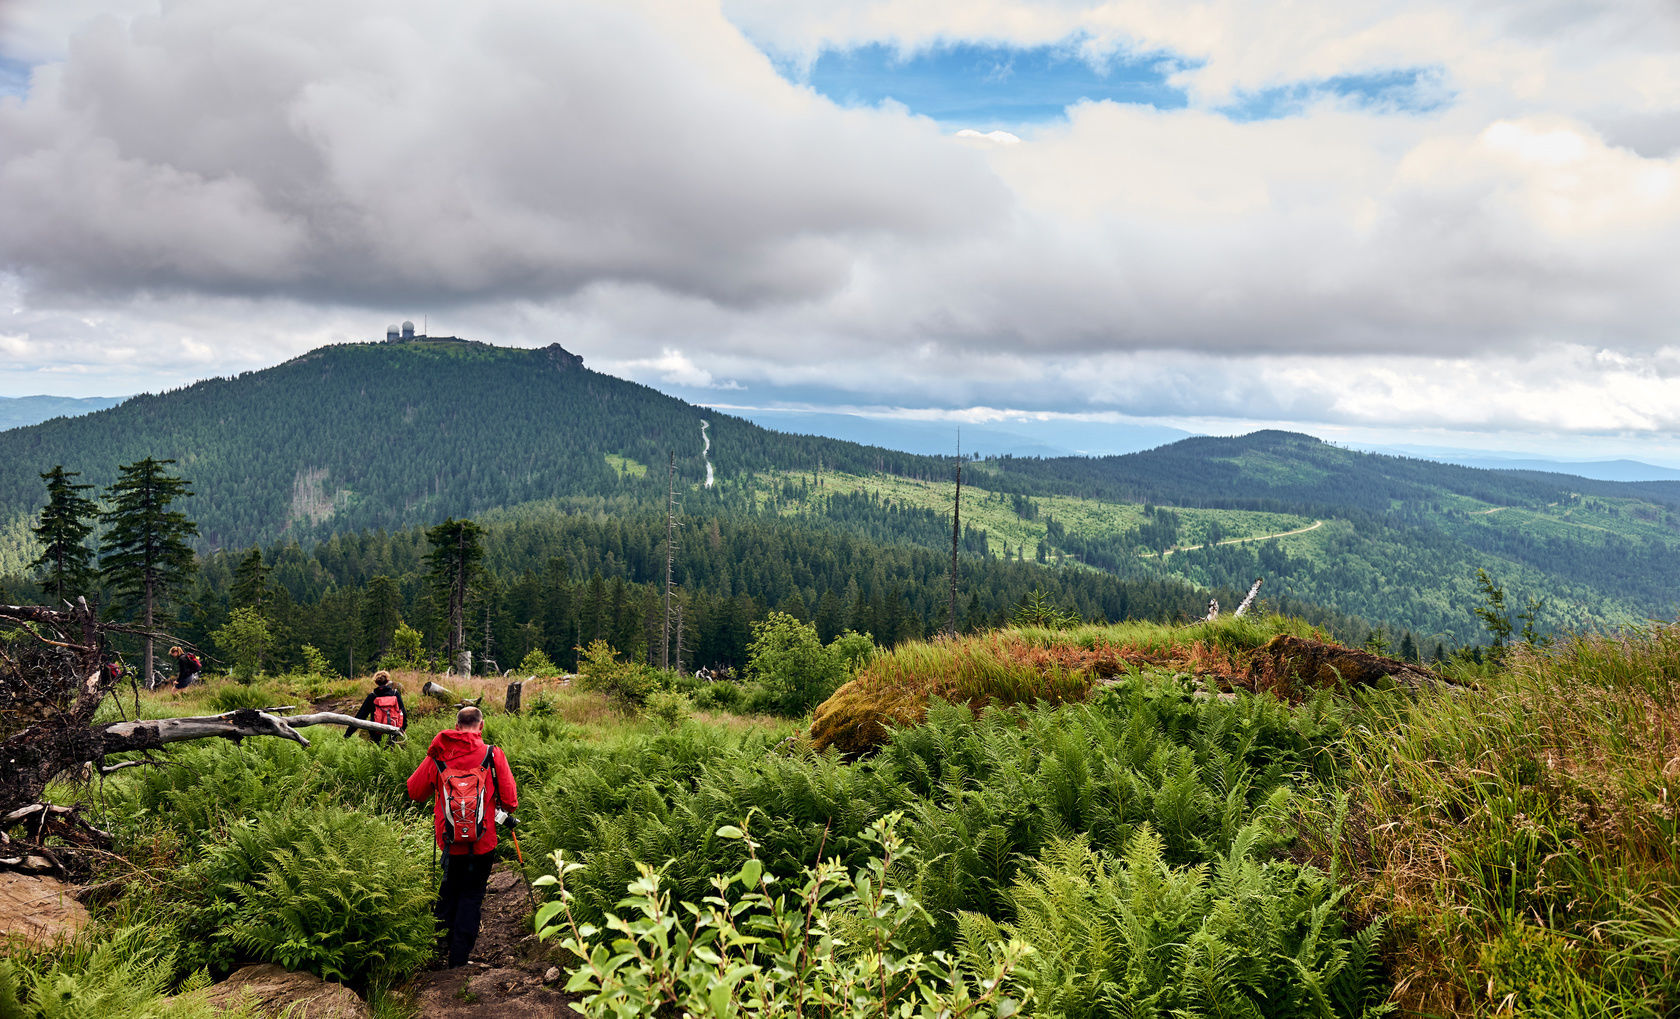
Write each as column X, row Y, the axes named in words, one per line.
column 1524, row 832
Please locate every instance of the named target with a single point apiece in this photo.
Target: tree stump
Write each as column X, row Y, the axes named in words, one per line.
column 514, row 692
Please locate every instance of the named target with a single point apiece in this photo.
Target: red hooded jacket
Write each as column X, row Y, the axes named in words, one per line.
column 460, row 749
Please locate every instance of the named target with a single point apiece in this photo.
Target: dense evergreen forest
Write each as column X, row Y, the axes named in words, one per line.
column 555, row 582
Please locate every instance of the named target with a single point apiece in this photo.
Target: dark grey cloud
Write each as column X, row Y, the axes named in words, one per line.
column 395, row 150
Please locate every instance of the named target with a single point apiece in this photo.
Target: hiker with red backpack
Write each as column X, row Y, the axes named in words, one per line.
column 384, row 705
column 470, row 781
column 187, row 668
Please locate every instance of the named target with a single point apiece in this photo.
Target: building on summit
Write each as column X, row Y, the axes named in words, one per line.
column 392, row 335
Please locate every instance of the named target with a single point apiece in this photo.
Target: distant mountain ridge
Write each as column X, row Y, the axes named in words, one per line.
column 22, row 411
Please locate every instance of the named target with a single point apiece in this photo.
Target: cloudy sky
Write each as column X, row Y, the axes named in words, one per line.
column 1454, row 223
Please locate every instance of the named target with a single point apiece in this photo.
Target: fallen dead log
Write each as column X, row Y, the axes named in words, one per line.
column 441, row 693
column 147, row 734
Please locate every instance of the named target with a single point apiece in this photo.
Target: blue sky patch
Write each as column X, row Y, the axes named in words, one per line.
column 1409, row 90
column 14, row 77
column 988, row 86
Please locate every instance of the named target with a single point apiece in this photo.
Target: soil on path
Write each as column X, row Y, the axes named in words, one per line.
column 504, row 979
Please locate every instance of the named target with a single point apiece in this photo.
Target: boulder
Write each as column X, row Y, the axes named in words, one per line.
column 39, row 909
column 278, row 992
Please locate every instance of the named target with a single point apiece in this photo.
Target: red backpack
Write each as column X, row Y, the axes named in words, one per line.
column 466, row 794
column 386, row 712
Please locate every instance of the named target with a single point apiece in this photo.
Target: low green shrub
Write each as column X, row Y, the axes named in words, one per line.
column 600, row 669
column 252, row 695
column 1139, row 937
column 832, row 946
column 125, row 972
column 536, row 663
column 315, row 663
column 669, row 708
column 342, row 894
column 789, row 660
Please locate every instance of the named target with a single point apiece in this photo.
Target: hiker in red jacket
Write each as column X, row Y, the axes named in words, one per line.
column 470, row 782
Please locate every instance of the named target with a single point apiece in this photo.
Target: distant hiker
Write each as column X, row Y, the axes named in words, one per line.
column 384, row 705
column 187, row 667
column 469, row 780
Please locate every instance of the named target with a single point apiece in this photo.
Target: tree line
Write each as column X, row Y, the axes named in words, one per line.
column 540, row 578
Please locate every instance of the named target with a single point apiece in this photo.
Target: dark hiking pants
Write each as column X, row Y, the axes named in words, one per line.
column 460, row 902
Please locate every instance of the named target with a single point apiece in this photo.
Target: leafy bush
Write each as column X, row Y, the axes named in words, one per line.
column 315, row 663
column 789, row 659
column 669, row 708
column 600, row 669
column 340, row 893
column 1151, row 941
column 536, row 663
column 833, row 948
column 246, row 639
column 407, row 650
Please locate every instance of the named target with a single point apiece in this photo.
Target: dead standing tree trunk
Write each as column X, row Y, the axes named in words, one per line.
column 52, row 687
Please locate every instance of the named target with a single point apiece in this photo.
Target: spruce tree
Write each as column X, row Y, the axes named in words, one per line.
column 453, row 564
column 250, row 583
column 381, row 615
column 144, row 554
column 66, row 563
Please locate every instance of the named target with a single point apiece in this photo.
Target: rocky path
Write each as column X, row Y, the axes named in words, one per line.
column 505, row 976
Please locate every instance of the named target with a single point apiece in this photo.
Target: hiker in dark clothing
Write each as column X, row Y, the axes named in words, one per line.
column 470, row 781
column 187, row 667
column 384, row 705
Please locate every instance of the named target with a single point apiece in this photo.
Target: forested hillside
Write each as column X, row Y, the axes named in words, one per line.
column 388, row 435
column 363, row 441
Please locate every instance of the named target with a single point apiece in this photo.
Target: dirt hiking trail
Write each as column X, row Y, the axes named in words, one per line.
column 504, row 980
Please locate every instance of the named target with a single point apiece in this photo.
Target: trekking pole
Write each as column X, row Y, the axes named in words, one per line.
column 512, row 823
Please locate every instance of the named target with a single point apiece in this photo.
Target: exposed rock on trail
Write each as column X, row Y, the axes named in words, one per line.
column 279, row 992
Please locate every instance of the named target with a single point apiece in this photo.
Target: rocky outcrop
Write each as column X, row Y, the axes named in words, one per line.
column 39, row 909
column 278, row 992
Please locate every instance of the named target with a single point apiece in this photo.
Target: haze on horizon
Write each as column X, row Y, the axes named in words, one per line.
column 1429, row 222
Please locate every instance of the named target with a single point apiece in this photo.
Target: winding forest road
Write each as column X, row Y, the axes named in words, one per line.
column 1315, row 525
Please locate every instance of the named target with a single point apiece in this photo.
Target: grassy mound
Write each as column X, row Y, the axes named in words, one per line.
column 1028, row 664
